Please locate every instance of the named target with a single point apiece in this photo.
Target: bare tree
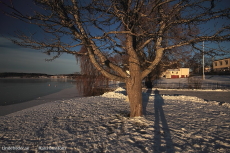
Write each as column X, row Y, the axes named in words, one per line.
column 99, row 25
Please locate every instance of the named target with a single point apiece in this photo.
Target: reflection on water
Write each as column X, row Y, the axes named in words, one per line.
column 20, row 90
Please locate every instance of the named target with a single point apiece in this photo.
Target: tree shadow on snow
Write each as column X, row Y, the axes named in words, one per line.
column 161, row 132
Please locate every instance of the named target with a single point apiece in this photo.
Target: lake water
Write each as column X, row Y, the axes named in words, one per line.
column 14, row 91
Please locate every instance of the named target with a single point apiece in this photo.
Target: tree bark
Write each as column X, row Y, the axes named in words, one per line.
column 133, row 81
column 134, row 91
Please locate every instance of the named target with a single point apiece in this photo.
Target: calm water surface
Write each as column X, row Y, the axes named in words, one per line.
column 14, row 91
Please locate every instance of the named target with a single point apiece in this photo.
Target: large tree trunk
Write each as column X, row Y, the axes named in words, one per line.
column 134, row 91
column 133, row 81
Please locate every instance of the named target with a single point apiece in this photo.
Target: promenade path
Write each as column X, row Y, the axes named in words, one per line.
column 219, row 96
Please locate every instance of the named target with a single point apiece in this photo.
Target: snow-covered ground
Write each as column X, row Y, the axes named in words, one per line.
column 100, row 124
column 217, row 78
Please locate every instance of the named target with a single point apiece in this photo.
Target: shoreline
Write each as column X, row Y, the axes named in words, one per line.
column 71, row 93
column 64, row 94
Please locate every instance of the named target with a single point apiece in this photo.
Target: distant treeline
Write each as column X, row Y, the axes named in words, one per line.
column 23, row 75
column 35, row 75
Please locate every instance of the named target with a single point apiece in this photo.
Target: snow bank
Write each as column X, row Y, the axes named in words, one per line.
column 119, row 93
column 101, row 124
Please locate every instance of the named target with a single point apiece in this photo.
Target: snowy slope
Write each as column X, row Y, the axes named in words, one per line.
column 100, row 124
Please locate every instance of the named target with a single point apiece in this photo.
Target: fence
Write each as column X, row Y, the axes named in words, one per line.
column 179, row 85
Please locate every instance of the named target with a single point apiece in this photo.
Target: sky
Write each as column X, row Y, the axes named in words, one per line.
column 15, row 58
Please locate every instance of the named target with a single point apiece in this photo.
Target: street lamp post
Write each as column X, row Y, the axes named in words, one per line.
column 203, row 62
